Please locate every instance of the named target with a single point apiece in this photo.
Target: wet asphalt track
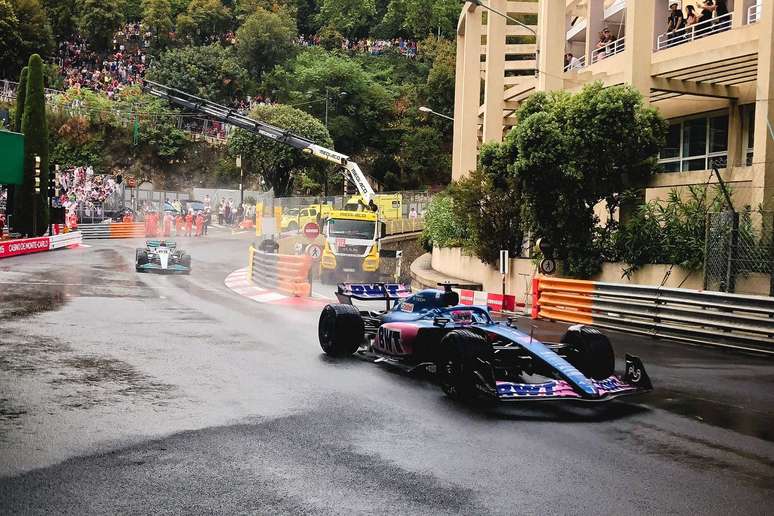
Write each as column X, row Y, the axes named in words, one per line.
column 127, row 393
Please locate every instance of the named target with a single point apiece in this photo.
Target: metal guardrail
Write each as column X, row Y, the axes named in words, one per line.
column 700, row 317
column 693, row 32
column 611, row 49
column 754, row 13
column 112, row 230
column 65, row 239
column 400, row 226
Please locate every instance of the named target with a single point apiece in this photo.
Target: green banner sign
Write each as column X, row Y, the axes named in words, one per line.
column 11, row 158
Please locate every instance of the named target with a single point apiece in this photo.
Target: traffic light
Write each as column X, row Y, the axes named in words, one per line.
column 51, row 186
column 37, row 175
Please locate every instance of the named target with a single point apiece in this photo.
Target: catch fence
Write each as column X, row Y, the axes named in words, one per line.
column 739, row 247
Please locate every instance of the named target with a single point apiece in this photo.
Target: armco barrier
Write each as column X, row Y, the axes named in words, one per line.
column 714, row 318
column 65, row 240
column 284, row 273
column 113, row 230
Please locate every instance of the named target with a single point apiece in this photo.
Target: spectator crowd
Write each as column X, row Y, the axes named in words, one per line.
column 124, row 65
column 372, row 46
column 680, row 25
column 84, row 192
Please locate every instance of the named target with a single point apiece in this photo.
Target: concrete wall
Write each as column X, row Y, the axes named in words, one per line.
column 453, row 262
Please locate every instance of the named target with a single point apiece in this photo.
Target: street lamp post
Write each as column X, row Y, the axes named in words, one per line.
column 425, row 109
column 479, row 3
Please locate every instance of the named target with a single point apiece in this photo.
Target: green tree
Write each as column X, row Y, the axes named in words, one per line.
column 211, row 72
column 419, row 18
column 10, row 38
column 265, row 40
column 157, row 16
column 30, row 206
column 34, row 29
column 488, row 203
column 360, row 107
column 423, row 158
column 21, row 96
column 280, row 165
column 178, row 7
column 62, row 16
column 99, row 20
column 350, row 17
column 574, row 151
column 132, row 10
column 439, row 87
column 443, row 226
column 203, row 21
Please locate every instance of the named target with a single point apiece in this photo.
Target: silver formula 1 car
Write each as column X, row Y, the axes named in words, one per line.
column 162, row 256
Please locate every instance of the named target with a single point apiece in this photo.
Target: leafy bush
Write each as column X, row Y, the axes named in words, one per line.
column 443, row 228
column 571, row 152
column 488, row 204
column 672, row 231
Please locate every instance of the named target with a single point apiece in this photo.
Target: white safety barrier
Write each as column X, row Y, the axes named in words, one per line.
column 64, row 240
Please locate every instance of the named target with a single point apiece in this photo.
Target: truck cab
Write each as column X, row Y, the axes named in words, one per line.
column 351, row 249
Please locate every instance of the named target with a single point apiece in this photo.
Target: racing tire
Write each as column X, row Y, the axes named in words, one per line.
column 326, row 277
column 141, row 258
column 341, row 330
column 589, row 351
column 185, row 260
column 463, row 360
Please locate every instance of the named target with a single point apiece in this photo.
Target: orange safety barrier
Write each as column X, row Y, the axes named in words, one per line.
column 127, row 230
column 563, row 300
column 285, row 273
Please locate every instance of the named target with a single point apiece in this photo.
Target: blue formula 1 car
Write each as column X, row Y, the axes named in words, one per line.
column 162, row 256
column 471, row 354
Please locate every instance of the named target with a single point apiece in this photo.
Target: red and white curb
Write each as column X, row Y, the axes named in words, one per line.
column 239, row 282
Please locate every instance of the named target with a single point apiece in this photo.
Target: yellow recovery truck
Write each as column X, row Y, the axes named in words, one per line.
column 352, row 237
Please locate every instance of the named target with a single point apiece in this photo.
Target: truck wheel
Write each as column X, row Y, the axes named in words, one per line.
column 462, row 363
column 589, row 351
column 141, row 258
column 292, row 226
column 341, row 330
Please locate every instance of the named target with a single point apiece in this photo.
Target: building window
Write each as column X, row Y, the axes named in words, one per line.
column 695, row 143
column 748, row 138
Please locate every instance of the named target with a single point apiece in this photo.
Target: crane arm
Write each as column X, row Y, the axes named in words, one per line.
column 230, row 116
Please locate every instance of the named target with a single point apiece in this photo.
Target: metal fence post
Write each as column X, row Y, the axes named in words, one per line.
column 732, row 254
column 707, row 223
column 771, row 254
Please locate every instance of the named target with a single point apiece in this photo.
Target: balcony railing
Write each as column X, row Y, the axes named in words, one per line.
column 611, row 49
column 699, row 30
column 577, row 63
column 754, row 13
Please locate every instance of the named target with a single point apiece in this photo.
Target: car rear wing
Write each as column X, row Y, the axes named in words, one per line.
column 157, row 243
column 346, row 292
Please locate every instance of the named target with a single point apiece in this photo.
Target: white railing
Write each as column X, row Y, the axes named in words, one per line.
column 699, row 30
column 9, row 88
column 754, row 13
column 577, row 63
column 611, row 49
